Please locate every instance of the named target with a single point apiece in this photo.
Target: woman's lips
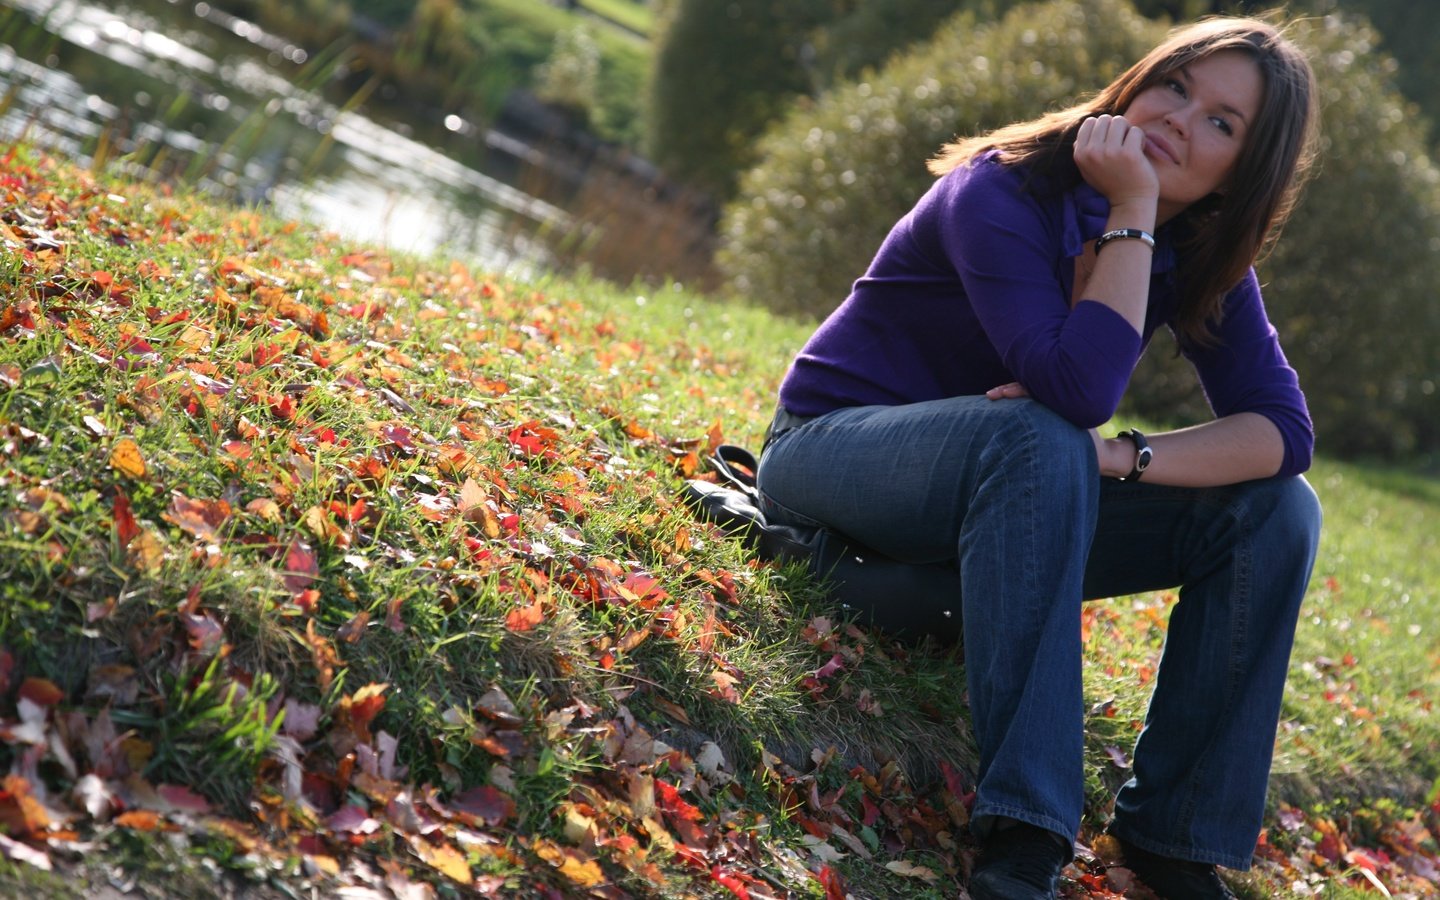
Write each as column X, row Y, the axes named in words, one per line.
column 1159, row 145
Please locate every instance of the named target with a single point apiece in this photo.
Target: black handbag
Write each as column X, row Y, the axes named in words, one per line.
column 908, row 600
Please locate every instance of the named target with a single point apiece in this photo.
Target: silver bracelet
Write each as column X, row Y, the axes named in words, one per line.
column 1144, row 237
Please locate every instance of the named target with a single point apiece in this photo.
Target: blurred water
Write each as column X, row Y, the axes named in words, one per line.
column 169, row 89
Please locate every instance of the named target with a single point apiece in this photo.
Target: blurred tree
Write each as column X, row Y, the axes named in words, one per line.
column 724, row 70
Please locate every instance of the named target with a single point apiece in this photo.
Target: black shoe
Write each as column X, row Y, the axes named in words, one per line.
column 1021, row 862
column 1175, row 879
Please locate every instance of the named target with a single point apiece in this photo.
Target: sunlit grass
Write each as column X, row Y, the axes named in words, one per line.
column 398, row 497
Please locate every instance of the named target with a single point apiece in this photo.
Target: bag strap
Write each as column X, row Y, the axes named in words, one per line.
column 737, row 467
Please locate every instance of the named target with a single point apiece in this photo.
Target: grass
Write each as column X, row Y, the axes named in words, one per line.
column 636, row 17
column 324, row 567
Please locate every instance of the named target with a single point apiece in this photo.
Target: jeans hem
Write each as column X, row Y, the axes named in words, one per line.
column 1029, row 817
column 1177, row 851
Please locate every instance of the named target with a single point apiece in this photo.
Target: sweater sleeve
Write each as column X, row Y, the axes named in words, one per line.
column 1006, row 247
column 1245, row 370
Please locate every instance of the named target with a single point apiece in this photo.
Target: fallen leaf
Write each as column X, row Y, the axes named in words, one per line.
column 489, row 806
column 125, row 458
column 301, row 567
column 525, row 618
column 139, row 820
column 126, row 528
column 201, row 519
column 910, row 870
column 182, row 799
column 444, row 859
column 41, row 691
column 580, row 868
column 24, row 853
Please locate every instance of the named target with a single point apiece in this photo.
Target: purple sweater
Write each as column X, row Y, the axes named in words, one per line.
column 971, row 290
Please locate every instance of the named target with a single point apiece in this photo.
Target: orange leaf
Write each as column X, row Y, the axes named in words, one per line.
column 125, row 458
column 525, row 618
column 41, row 691
column 201, row 519
column 29, row 815
column 139, row 820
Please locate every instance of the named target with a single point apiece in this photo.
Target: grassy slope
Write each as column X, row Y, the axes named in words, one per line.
column 430, row 515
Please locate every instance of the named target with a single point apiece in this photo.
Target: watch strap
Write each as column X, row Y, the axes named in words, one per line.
column 1143, row 453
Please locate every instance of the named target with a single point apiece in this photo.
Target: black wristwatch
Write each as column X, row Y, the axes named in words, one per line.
column 1143, row 453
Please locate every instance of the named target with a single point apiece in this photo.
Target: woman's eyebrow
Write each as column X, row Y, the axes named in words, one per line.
column 1224, row 107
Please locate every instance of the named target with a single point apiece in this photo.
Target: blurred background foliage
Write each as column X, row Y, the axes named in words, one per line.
column 1351, row 287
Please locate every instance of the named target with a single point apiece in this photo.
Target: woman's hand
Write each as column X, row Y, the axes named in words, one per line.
column 1012, row 391
column 1110, row 154
column 1114, row 455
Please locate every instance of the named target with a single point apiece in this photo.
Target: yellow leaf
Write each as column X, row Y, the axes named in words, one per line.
column 265, row 508
column 126, row 459
column 146, row 551
column 577, row 867
column 910, row 870
column 444, row 859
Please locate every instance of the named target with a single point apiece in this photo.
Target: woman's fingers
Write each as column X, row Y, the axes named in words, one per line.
column 1010, row 391
column 1110, row 154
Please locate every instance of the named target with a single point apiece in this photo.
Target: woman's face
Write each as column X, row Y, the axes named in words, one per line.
column 1195, row 120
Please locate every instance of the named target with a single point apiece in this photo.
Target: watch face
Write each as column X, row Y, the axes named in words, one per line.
column 1142, row 459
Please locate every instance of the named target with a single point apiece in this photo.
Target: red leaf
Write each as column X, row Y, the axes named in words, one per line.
column 205, row 633
column 352, row 820
column 183, row 799
column 126, row 528
column 642, row 589
column 729, row 880
column 307, row 600
column 301, row 567
column 830, row 880
column 365, row 704
column 489, row 805
column 674, row 804
column 836, row 663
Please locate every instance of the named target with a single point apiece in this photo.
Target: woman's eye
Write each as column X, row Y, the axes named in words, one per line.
column 1175, row 85
column 1223, row 125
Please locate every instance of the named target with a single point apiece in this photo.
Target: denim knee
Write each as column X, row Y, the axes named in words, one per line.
column 1291, row 512
column 1060, row 447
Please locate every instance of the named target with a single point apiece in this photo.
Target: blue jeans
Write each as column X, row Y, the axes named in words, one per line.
column 1012, row 492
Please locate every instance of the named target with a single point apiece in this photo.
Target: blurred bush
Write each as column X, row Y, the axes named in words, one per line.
column 834, row 176
column 1353, row 283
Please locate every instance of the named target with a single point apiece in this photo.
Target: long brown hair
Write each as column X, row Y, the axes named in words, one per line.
column 1226, row 232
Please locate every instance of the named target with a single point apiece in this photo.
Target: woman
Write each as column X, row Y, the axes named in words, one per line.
column 947, row 411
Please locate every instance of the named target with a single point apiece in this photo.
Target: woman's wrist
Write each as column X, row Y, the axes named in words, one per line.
column 1119, row 457
column 1133, row 213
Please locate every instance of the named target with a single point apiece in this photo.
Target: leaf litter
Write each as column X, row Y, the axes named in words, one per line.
column 266, row 482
